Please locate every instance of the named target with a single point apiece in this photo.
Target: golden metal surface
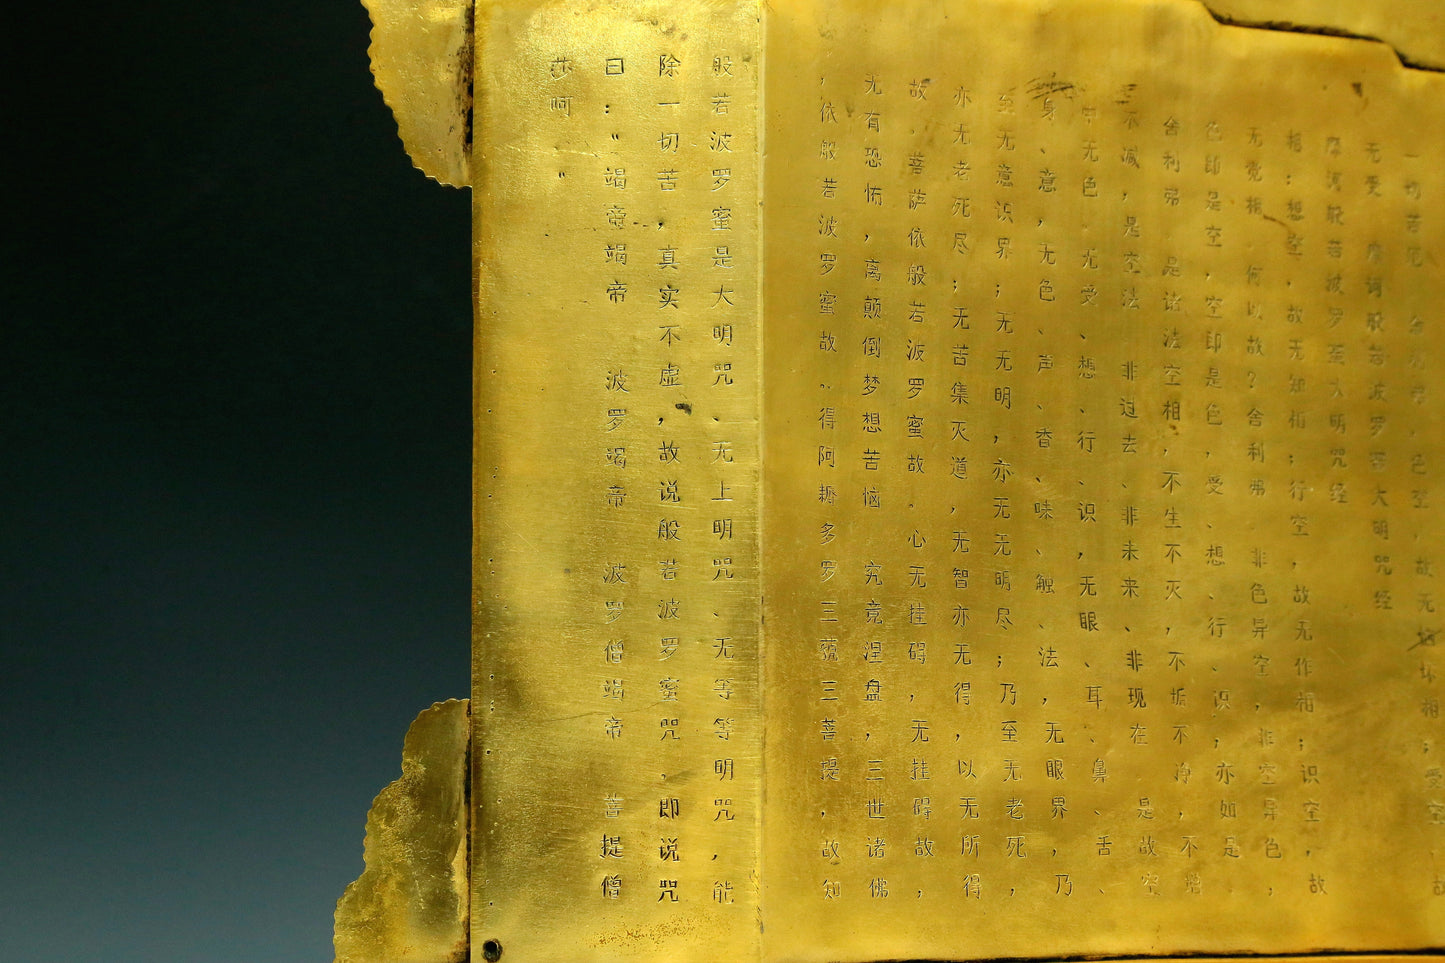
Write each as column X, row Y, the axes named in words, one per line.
column 1047, row 441
column 410, row 904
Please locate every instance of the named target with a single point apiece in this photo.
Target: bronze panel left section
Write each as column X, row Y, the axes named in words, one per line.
column 617, row 738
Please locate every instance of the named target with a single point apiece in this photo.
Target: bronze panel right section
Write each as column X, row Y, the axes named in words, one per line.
column 1101, row 536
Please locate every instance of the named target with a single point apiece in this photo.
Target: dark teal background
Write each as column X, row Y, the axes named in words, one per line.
column 234, row 456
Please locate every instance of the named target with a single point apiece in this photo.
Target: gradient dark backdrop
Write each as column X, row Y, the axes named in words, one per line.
column 234, row 456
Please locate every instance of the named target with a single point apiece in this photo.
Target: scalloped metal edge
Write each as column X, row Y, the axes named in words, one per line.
column 421, row 59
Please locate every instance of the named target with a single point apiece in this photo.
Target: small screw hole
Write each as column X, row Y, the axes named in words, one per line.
column 491, row 951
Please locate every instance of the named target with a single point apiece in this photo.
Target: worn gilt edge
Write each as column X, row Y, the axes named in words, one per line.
column 421, row 57
column 411, row 903
column 1420, row 60
column 1322, row 956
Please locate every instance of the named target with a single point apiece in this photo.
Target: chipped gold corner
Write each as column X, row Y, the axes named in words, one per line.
column 410, row 904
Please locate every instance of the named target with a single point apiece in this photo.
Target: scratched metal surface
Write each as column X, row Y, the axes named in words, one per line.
column 1415, row 28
